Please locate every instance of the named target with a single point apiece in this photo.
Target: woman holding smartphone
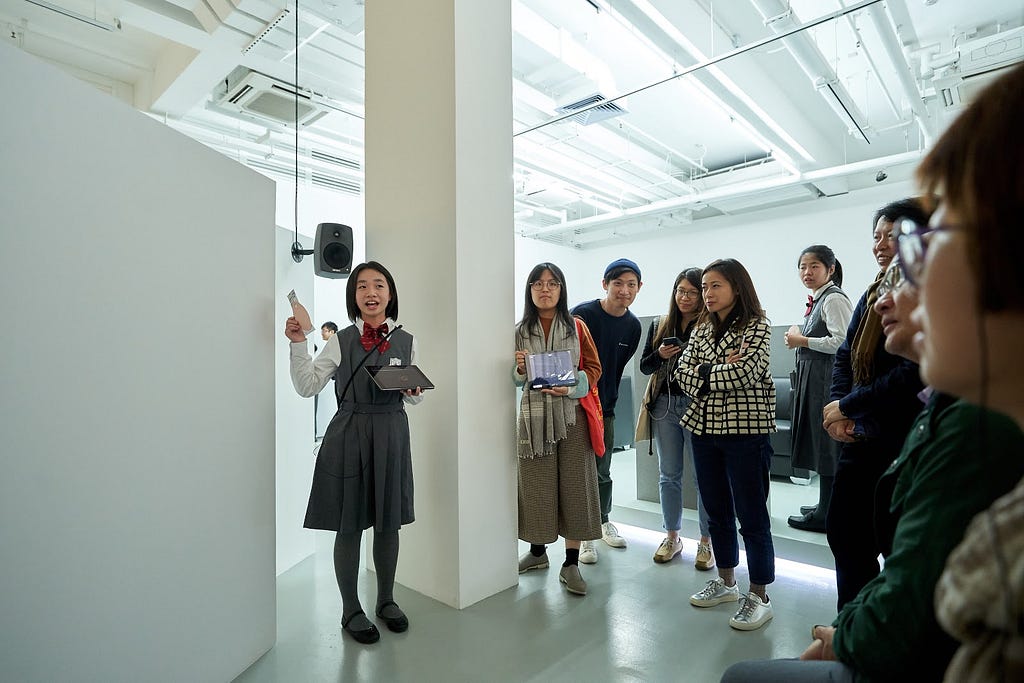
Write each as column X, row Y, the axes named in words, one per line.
column 558, row 493
column 363, row 473
column 666, row 405
column 725, row 370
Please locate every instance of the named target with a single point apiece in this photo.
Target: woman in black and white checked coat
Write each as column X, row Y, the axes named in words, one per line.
column 725, row 369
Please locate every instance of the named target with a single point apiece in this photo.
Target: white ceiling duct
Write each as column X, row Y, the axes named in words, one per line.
column 779, row 18
column 726, row 192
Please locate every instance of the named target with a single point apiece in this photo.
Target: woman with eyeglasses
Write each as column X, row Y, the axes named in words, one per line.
column 873, row 403
column 557, row 475
column 665, row 404
column 967, row 264
column 725, row 369
column 816, row 341
column 881, row 634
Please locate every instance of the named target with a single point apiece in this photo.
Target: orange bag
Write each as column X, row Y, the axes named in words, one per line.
column 591, row 404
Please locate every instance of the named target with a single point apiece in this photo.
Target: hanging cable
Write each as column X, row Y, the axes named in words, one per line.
column 296, row 121
column 297, row 251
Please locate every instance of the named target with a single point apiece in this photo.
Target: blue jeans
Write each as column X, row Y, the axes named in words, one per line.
column 671, row 441
column 732, row 472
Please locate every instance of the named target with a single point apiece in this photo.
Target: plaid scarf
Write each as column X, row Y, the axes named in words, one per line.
column 543, row 419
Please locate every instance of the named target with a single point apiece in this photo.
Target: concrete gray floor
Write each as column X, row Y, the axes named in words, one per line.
column 634, row 625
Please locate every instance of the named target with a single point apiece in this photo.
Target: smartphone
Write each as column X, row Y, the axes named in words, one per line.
column 671, row 341
column 743, row 340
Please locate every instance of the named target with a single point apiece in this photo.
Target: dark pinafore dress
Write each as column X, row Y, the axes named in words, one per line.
column 363, row 473
column 813, row 448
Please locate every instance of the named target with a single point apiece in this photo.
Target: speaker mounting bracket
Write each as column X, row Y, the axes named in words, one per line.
column 298, row 252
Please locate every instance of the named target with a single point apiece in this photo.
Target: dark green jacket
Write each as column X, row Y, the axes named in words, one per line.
column 956, row 460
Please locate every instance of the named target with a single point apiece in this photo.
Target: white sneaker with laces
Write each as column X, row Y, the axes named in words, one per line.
column 668, row 549
column 715, row 593
column 610, row 535
column 588, row 552
column 752, row 614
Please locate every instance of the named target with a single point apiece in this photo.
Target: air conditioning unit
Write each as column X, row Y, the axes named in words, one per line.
column 978, row 62
column 259, row 95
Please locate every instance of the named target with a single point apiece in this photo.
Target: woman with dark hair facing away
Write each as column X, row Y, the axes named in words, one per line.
column 666, row 405
column 558, row 493
column 725, row 368
column 363, row 472
column 873, row 403
column 972, row 310
column 823, row 331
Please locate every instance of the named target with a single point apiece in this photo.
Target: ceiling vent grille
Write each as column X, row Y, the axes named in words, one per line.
column 336, row 160
column 606, row 110
column 318, row 178
column 255, row 94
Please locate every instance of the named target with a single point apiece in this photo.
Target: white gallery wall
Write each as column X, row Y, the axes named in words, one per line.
column 295, row 453
column 136, row 395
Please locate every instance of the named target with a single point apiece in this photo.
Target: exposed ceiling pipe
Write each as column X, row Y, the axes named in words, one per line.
column 801, row 46
column 903, row 71
column 726, row 192
column 883, row 86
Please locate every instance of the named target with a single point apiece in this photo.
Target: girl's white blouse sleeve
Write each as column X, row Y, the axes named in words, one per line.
column 310, row 375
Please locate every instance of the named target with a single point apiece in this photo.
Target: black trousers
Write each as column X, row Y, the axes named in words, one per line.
column 850, row 523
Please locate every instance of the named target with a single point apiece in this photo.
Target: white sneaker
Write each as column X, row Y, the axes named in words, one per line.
column 588, row 552
column 610, row 535
column 752, row 614
column 668, row 549
column 715, row 593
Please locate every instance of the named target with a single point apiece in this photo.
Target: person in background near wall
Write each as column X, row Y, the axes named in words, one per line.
column 725, row 368
column 825, row 321
column 923, row 503
column 328, row 330
column 666, row 405
column 616, row 333
column 972, row 311
column 557, row 474
column 363, row 472
column 874, row 401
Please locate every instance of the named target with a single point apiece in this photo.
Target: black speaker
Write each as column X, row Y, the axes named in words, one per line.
column 332, row 251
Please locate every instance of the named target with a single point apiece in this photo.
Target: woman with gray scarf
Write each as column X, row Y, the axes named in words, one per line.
column 557, row 476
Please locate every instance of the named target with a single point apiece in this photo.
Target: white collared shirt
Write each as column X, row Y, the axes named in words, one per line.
column 836, row 311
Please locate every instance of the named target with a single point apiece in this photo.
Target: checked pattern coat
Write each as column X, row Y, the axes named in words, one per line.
column 741, row 399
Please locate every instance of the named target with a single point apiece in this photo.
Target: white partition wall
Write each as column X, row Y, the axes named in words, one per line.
column 136, row 393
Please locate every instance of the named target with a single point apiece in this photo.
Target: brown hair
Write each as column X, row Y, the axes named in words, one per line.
column 977, row 170
column 747, row 303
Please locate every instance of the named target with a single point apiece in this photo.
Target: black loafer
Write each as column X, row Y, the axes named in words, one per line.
column 808, row 509
column 364, row 636
column 807, row 523
column 396, row 624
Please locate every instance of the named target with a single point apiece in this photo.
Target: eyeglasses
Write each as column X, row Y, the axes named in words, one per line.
column 912, row 247
column 892, row 280
column 538, row 285
column 687, row 293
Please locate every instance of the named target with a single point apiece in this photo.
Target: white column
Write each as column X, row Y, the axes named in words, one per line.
column 439, row 216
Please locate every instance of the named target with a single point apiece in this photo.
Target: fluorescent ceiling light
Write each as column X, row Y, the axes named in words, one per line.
column 672, row 32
